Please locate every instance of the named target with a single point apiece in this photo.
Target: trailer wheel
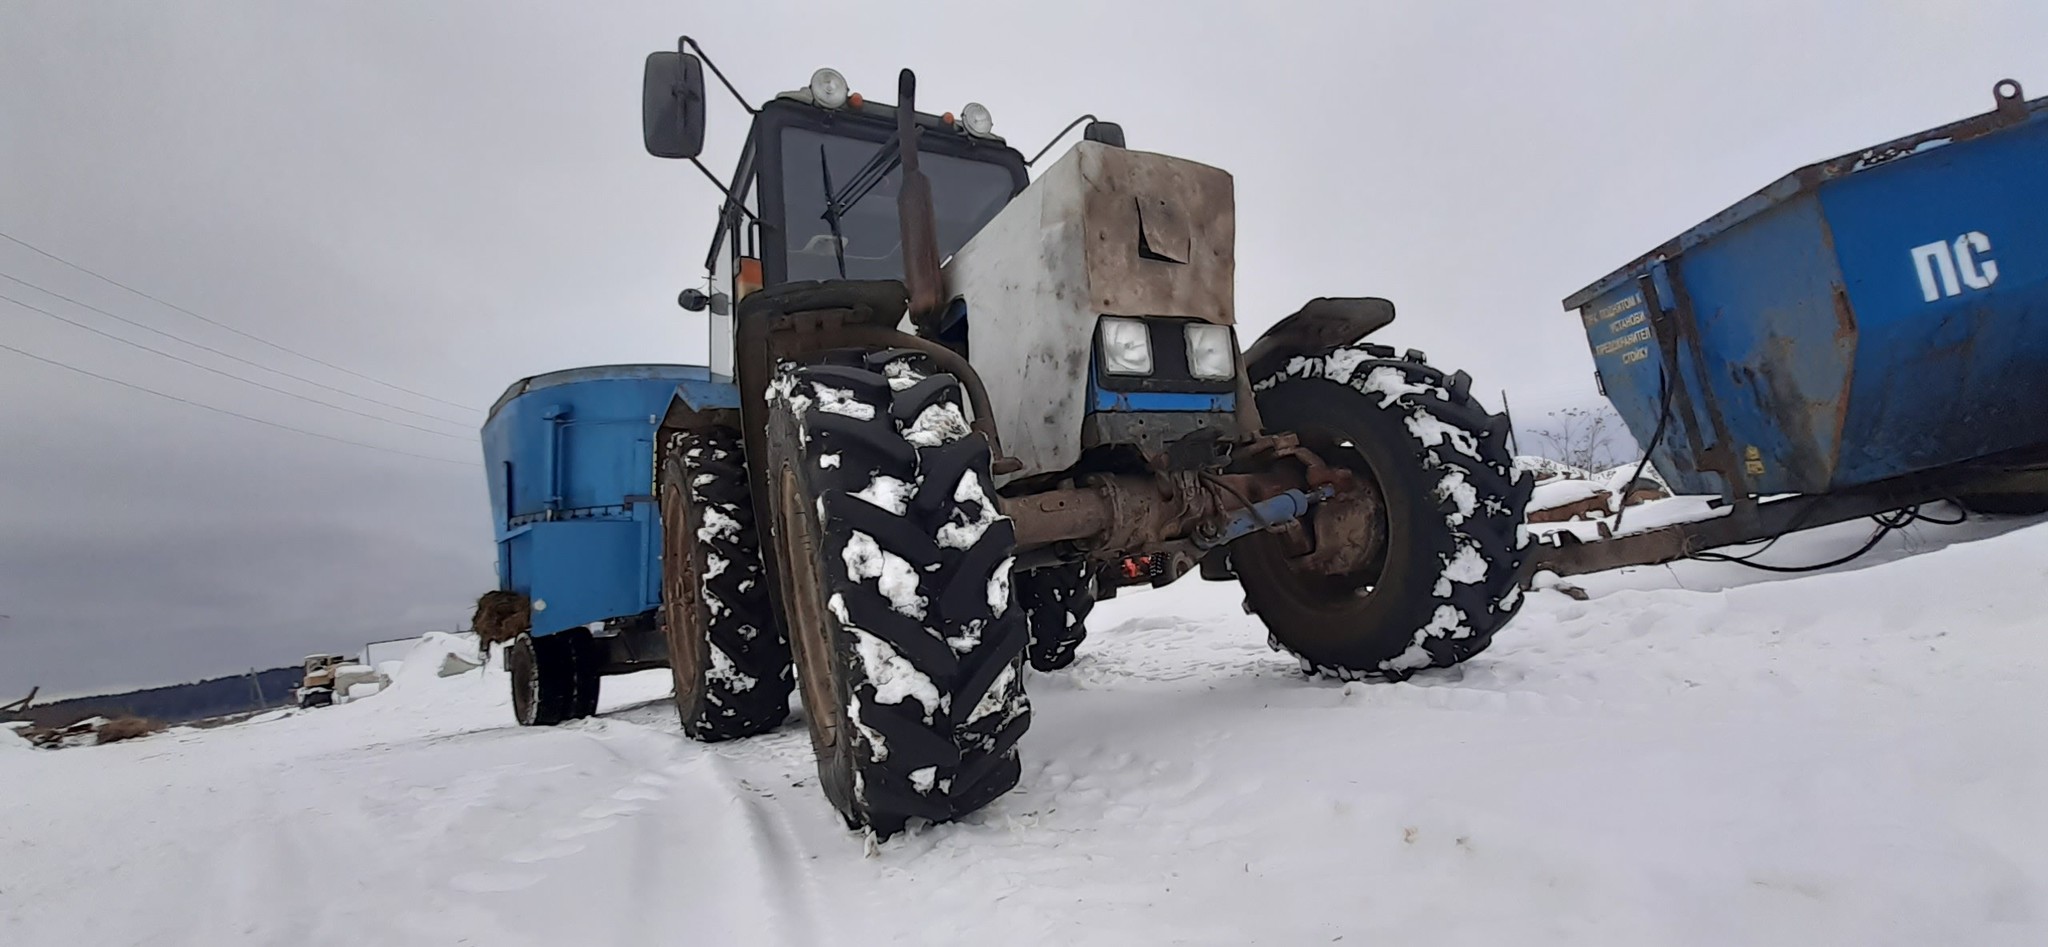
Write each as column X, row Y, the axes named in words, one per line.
column 727, row 652
column 1450, row 534
column 589, row 655
column 894, row 564
column 544, row 672
column 1057, row 600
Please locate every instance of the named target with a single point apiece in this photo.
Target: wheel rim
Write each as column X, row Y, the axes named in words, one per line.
column 519, row 662
column 681, row 604
column 810, row 629
column 1343, row 588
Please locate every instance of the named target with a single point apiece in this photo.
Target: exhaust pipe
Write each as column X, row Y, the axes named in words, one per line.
column 918, row 217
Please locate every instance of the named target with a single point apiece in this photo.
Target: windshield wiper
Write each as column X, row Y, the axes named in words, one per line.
column 878, row 166
column 832, row 213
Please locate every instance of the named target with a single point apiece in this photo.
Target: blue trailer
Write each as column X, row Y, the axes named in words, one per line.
column 1863, row 335
column 570, row 456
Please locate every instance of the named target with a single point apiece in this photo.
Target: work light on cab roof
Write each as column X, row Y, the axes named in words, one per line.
column 975, row 118
column 828, row 88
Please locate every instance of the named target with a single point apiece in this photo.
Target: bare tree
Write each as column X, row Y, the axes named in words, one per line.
column 1587, row 438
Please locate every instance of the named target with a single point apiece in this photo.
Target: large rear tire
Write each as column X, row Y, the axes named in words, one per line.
column 728, row 654
column 1453, row 536
column 894, row 564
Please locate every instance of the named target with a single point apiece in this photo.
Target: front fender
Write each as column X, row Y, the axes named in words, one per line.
column 1321, row 325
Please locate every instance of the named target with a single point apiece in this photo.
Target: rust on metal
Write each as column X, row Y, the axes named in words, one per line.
column 683, row 619
column 810, row 631
column 1348, row 534
column 915, row 213
column 1115, row 515
column 1143, row 255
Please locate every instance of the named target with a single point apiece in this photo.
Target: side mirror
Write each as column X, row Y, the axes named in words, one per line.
column 1108, row 133
column 696, row 300
column 672, row 105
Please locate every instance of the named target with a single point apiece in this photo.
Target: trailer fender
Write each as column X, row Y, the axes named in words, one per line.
column 1323, row 324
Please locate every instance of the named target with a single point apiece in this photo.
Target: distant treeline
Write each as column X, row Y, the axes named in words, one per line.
column 178, row 703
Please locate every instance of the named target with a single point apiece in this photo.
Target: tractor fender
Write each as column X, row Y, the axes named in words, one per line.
column 1323, row 324
column 697, row 405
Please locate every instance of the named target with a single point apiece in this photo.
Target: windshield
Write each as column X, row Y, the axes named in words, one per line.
column 966, row 195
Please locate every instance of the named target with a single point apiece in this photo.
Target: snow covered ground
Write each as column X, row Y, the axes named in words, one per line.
column 1698, row 754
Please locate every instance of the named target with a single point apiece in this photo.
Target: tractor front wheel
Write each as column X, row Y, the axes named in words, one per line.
column 1447, row 541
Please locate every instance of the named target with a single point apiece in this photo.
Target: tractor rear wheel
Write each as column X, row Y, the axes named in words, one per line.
column 727, row 652
column 1057, row 599
column 894, row 566
column 545, row 673
column 1450, row 535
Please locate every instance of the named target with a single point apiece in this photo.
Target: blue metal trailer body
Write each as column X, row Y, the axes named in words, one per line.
column 570, row 457
column 1882, row 314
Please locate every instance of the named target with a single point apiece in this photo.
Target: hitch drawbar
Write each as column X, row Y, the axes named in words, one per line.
column 1134, row 512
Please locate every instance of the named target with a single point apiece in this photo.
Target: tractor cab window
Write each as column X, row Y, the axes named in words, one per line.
column 966, row 194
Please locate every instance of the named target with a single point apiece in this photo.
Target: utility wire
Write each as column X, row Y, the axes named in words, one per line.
column 229, row 355
column 233, row 414
column 221, row 325
column 225, row 374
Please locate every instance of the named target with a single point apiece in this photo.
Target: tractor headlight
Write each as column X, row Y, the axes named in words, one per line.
column 1210, row 354
column 1126, row 346
column 975, row 117
column 828, row 88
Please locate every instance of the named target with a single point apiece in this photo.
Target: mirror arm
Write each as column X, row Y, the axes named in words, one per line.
column 730, row 204
column 1056, row 138
column 685, row 44
column 741, row 179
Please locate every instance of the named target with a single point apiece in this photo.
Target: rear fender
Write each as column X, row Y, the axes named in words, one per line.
column 1321, row 325
column 696, row 406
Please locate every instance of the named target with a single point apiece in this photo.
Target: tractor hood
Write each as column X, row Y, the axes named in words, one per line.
column 1103, row 232
column 1137, row 234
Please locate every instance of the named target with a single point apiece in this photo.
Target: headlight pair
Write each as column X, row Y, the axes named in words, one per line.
column 1127, row 348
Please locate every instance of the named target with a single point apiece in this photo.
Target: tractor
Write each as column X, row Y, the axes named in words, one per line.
column 967, row 401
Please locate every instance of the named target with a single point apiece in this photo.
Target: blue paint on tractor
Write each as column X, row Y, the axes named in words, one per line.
column 1283, row 508
column 1106, row 400
column 1881, row 314
column 570, row 460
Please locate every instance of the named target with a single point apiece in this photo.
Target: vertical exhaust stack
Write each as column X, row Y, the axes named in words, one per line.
column 919, row 219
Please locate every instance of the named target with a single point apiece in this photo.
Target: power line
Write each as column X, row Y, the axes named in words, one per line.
column 233, row 414
column 225, row 374
column 221, row 325
column 229, row 355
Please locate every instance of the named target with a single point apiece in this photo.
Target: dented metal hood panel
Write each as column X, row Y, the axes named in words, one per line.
column 1104, row 231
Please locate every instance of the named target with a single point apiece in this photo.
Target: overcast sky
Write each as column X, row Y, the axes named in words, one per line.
column 448, row 196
